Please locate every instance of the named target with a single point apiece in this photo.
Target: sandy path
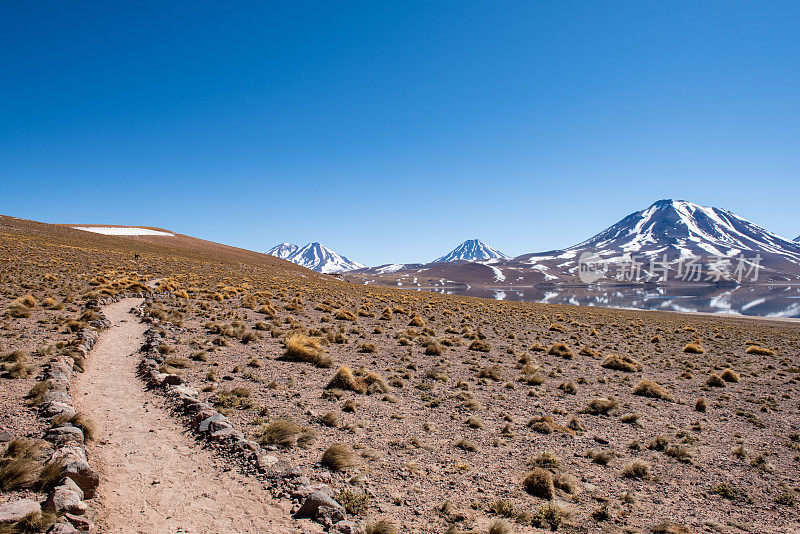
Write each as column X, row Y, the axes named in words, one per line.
column 154, row 478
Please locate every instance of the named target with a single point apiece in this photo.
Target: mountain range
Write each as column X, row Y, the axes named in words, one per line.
column 670, row 232
column 314, row 256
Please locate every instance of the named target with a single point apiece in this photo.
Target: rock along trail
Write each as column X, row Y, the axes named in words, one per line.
column 154, row 478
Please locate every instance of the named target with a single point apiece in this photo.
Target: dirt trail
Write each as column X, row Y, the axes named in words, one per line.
column 154, row 478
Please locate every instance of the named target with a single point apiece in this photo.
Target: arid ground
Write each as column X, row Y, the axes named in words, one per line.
column 430, row 412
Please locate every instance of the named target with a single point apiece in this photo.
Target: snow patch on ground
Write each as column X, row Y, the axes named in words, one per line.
column 125, row 230
column 498, row 274
column 393, row 268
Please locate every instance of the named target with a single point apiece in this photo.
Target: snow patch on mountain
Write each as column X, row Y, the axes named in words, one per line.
column 283, row 250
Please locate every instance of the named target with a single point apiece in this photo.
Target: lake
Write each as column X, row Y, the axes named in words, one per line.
column 755, row 299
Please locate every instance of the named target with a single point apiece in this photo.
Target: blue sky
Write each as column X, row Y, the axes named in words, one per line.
column 392, row 131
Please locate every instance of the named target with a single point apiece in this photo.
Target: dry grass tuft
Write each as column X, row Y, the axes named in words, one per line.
column 621, row 363
column 539, row 483
column 338, row 457
column 381, row 526
column 19, row 464
column 561, row 350
column 480, row 346
column 759, row 351
column 280, row 433
column 648, row 388
column 694, row 348
column 636, row 469
column 303, row 348
column 729, row 375
column 714, row 380
column 600, row 406
column 79, row 420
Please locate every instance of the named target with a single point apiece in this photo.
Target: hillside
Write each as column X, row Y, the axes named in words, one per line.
column 427, row 411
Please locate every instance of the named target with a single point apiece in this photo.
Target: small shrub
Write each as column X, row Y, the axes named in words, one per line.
column 551, row 515
column 503, row 508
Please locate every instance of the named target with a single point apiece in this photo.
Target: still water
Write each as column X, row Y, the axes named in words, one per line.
column 755, row 299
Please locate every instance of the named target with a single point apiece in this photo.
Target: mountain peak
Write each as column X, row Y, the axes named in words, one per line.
column 683, row 228
column 472, row 250
column 314, row 256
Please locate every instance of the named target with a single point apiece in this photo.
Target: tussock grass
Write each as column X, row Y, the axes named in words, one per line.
column 19, row 464
column 79, row 420
column 338, row 457
column 346, row 380
column 381, row 526
column 480, row 346
column 303, row 348
column 281, row 433
column 539, row 483
column 621, row 363
column 561, row 350
column 729, row 375
column 694, row 348
column 600, row 406
column 759, row 351
column 493, row 372
column 636, row 469
column 36, row 394
column 648, row 388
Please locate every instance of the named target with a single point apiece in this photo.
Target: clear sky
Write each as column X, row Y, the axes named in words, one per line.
column 392, row 131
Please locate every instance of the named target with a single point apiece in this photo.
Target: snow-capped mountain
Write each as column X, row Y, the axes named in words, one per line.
column 677, row 226
column 797, row 239
column 315, row 256
column 472, row 250
column 679, row 230
column 283, row 250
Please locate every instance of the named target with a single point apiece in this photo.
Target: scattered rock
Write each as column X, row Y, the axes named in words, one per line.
column 314, row 504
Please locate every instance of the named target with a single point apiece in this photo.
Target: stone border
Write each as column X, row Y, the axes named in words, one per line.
column 206, row 423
